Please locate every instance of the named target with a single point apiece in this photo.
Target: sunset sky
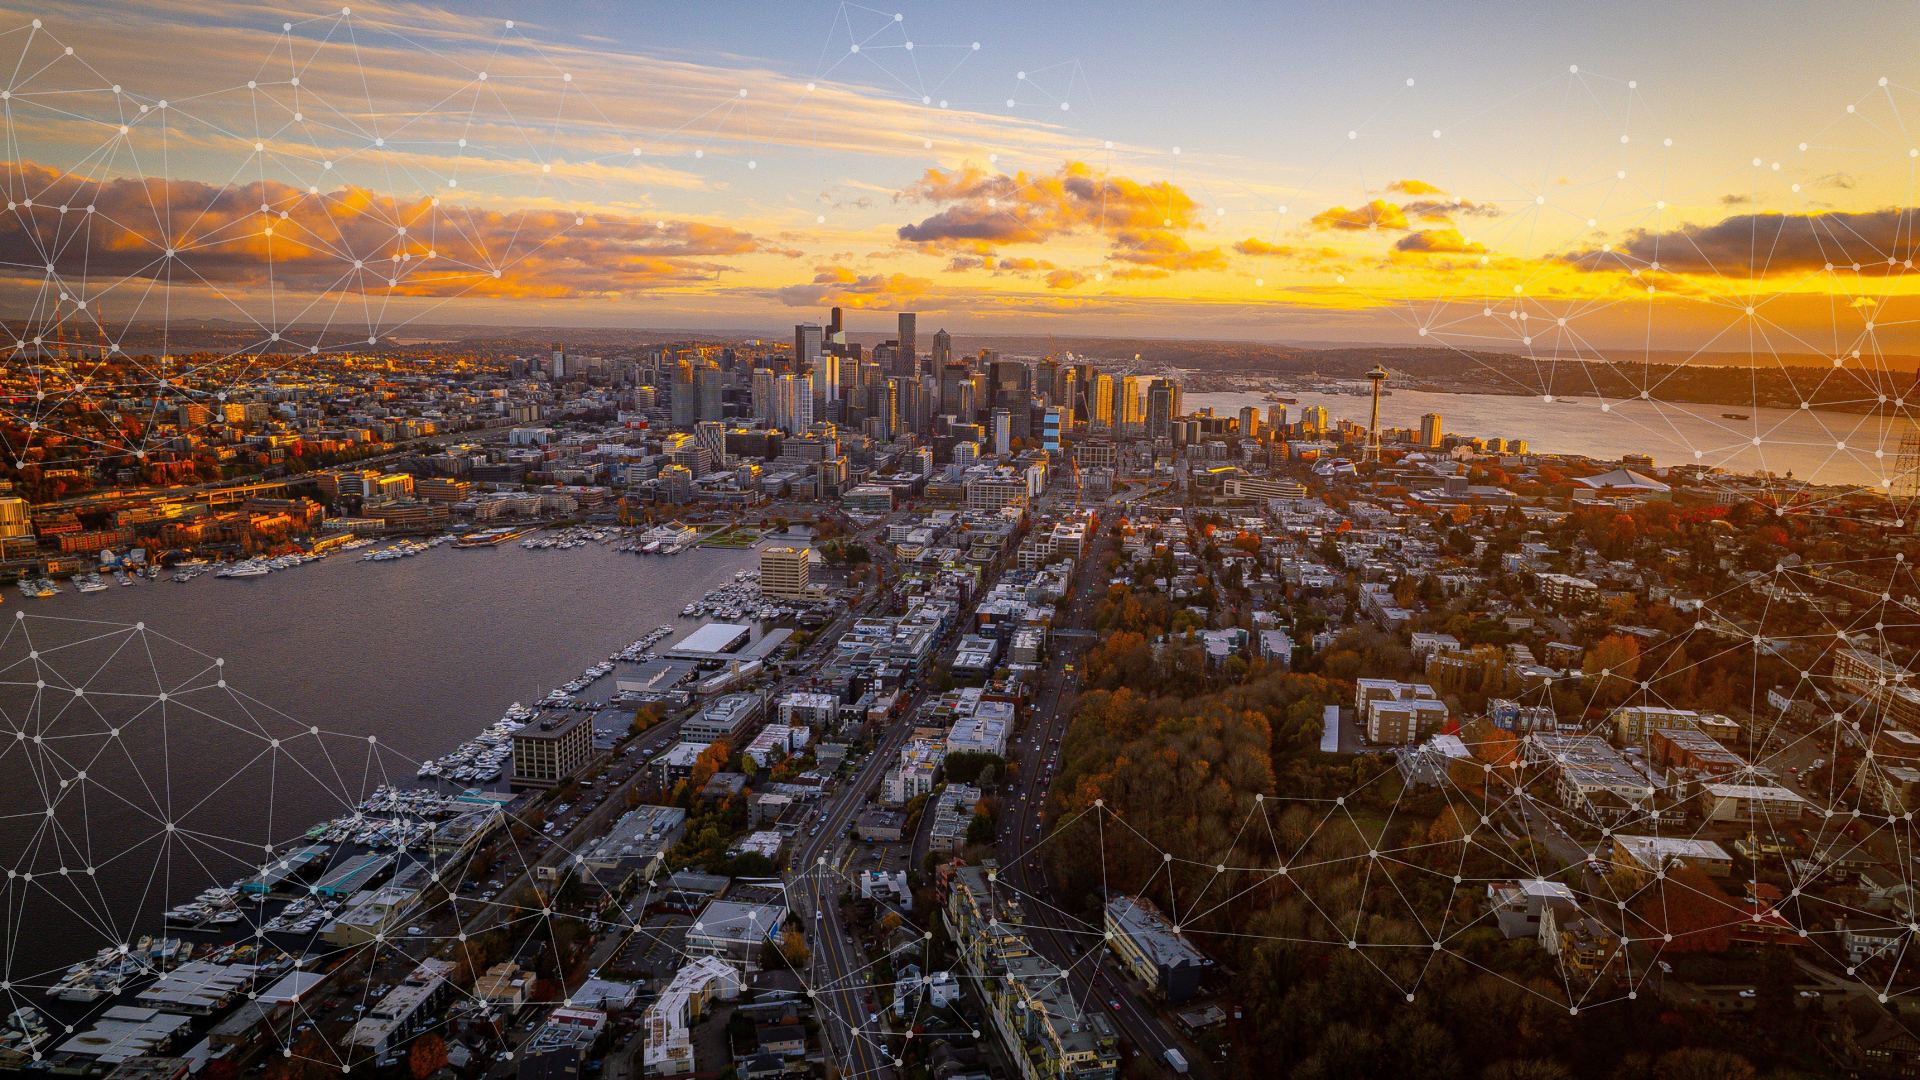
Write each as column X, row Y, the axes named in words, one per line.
column 1624, row 176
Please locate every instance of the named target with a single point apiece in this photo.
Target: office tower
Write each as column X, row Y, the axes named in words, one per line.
column 1160, row 410
column 686, row 395
column 1314, row 417
column 966, row 452
column 1102, row 418
column 1044, row 374
column 711, row 381
column 836, row 332
column 1430, row 429
column 1050, row 422
column 909, row 342
column 1249, row 422
column 808, row 343
column 711, row 436
column 558, row 368
column 942, row 350
column 905, row 400
column 1002, row 431
column 763, row 394
column 1277, row 418
column 784, row 572
column 887, row 355
column 1012, row 383
column 956, row 390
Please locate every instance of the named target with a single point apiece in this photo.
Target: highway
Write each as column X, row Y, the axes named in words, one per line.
column 1076, row 947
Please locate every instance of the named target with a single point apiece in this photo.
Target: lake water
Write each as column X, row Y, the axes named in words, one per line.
column 1815, row 446
column 165, row 781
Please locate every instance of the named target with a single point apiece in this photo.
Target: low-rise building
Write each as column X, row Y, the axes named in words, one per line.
column 668, row 1023
column 404, row 1010
column 735, row 933
column 552, row 748
column 1153, row 949
column 1645, row 856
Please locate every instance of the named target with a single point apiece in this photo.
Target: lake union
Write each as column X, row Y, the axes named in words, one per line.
column 165, row 781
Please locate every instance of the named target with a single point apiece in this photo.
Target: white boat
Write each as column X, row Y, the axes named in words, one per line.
column 91, row 583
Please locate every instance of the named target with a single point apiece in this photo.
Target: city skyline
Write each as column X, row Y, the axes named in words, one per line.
column 580, row 173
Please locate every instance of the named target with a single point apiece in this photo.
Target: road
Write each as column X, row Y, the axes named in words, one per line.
column 1076, row 947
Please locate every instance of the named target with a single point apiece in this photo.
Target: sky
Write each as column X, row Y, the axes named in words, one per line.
column 1572, row 179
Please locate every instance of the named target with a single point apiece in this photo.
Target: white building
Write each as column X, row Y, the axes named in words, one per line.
column 668, row 1022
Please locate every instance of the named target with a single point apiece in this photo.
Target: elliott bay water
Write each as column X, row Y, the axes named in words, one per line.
column 123, row 751
column 1816, row 446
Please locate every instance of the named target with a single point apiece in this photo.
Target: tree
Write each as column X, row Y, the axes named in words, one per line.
column 980, row 830
column 1702, row 1063
column 644, row 717
column 429, row 1055
column 1687, row 905
column 793, row 948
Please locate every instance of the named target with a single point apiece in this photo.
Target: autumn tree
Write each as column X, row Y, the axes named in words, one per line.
column 1612, row 666
column 428, row 1056
column 1688, row 912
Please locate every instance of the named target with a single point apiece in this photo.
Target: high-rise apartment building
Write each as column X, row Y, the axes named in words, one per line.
column 711, row 382
column 763, row 384
column 686, row 395
column 1103, row 395
column 1277, row 418
column 793, row 404
column 1132, row 411
column 1002, row 432
column 1430, row 429
column 1160, row 409
column 1249, row 422
column 711, row 436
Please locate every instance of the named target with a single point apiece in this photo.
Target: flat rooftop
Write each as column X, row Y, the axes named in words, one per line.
column 711, row 640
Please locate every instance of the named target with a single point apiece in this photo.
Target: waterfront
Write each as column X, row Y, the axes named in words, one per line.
column 419, row 653
column 1804, row 443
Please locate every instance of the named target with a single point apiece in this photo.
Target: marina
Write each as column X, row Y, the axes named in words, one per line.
column 516, row 618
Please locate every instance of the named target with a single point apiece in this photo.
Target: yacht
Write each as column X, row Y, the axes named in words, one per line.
column 91, row 583
column 125, row 578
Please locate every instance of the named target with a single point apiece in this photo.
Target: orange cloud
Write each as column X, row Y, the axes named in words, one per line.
column 1065, row 279
column 1446, row 241
column 1376, row 214
column 982, row 210
column 1414, row 187
column 1165, row 252
column 349, row 239
column 839, row 286
column 1255, row 246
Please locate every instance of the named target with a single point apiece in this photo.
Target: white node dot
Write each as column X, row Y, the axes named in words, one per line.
column 1353, row 134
